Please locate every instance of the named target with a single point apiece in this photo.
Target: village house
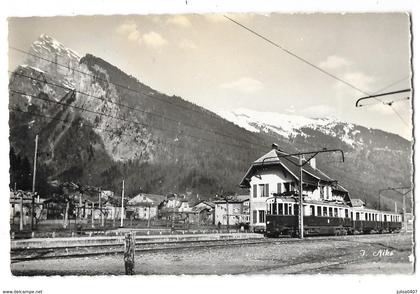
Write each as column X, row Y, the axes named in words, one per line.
column 233, row 210
column 274, row 175
column 21, row 202
column 144, row 206
column 203, row 213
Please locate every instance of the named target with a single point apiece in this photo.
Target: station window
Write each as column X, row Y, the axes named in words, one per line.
column 335, row 212
column 263, row 190
column 279, row 188
column 289, row 187
column 254, row 191
column 254, row 216
column 324, row 211
column 286, row 209
column 290, row 209
column 330, row 211
column 346, row 213
column 357, row 216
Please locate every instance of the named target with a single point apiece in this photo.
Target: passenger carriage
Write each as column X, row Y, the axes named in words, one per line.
column 323, row 218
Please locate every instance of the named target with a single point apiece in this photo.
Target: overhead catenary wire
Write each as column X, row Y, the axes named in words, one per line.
column 331, row 75
column 296, row 56
column 399, row 115
column 116, row 132
column 134, row 122
column 113, row 83
column 56, row 84
column 71, row 123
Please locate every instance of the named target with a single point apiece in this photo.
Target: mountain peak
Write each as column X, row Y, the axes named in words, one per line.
column 46, row 44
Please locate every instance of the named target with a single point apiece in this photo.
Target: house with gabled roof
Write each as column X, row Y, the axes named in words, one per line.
column 144, row 206
column 232, row 210
column 274, row 175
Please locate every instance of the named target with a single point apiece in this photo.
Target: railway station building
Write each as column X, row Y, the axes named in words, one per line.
column 275, row 176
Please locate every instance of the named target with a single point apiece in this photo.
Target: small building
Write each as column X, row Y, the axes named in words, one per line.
column 357, row 203
column 203, row 213
column 144, row 206
column 233, row 210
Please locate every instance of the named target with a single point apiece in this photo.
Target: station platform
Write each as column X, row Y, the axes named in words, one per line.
column 119, row 240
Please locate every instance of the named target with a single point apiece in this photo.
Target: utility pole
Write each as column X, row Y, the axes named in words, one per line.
column 100, row 207
column 227, row 214
column 21, row 213
column 92, row 214
column 33, row 184
column 122, row 205
column 148, row 217
column 300, row 221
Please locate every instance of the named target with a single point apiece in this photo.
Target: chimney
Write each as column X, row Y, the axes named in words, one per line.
column 312, row 162
column 274, row 146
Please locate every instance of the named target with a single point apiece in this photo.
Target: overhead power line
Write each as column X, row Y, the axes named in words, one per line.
column 115, row 84
column 391, row 85
column 134, row 122
column 297, row 56
column 331, row 75
column 71, row 123
column 56, row 84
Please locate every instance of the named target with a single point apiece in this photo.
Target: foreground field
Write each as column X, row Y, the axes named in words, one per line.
column 363, row 254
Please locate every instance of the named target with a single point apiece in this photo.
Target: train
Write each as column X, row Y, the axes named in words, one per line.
column 327, row 218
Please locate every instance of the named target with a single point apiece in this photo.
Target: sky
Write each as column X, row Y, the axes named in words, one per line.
column 210, row 61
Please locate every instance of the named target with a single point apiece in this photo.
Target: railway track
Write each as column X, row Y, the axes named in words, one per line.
column 27, row 254
column 24, row 254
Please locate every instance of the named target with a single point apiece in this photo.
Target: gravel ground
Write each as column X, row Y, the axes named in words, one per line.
column 363, row 254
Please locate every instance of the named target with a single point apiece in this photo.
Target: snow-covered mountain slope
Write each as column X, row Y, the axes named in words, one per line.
column 290, row 126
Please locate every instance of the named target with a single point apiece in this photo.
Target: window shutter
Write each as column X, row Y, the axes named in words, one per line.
column 254, row 192
column 279, row 188
column 254, row 216
column 266, row 190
